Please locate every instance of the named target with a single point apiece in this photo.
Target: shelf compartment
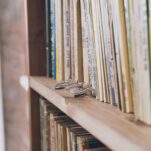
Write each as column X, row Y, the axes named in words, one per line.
column 117, row 130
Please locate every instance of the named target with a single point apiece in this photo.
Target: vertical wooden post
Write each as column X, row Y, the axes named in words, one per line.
column 35, row 10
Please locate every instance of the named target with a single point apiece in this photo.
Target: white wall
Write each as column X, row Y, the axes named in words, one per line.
column 2, row 140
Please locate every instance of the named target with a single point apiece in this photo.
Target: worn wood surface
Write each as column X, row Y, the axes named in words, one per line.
column 117, row 130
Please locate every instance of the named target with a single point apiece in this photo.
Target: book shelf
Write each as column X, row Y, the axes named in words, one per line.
column 117, row 130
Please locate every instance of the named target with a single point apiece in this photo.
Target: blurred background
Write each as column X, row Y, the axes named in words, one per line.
column 14, row 120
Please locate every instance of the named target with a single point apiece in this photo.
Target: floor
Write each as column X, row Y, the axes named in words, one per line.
column 13, row 49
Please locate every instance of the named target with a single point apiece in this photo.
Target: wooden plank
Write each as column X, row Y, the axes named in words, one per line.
column 36, row 54
column 35, row 142
column 117, row 130
column 36, row 36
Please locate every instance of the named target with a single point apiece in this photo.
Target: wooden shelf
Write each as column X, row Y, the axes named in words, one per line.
column 117, row 130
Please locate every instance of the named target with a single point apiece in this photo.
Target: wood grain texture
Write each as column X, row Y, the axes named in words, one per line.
column 36, row 40
column 117, row 130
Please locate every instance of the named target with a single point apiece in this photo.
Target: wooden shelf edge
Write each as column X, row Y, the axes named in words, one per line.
column 117, row 130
